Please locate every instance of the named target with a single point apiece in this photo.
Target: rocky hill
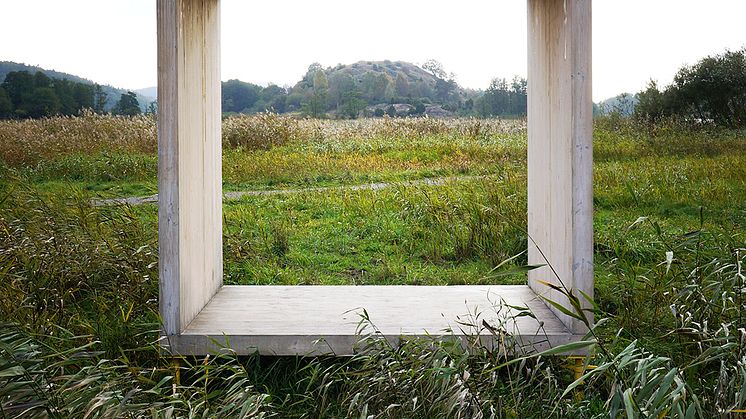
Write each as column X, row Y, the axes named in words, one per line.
column 348, row 89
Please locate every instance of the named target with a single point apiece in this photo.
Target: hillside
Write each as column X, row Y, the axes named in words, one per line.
column 420, row 82
column 348, row 88
column 112, row 93
column 364, row 88
column 149, row 92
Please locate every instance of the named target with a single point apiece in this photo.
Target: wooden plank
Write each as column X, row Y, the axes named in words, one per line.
column 304, row 320
column 560, row 184
column 168, row 168
column 190, row 211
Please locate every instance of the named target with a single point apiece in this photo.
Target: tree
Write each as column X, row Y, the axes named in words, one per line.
column 651, row 106
column 311, row 73
column 315, row 104
column 41, row 80
column 380, row 85
column 503, row 99
column 152, row 108
column 375, row 85
column 340, row 84
column 713, row 90
column 83, row 95
column 127, row 105
column 435, row 68
column 37, row 95
column 238, row 96
column 352, row 104
column 6, row 106
column 274, row 98
column 43, row 102
column 445, row 90
column 320, row 82
column 519, row 96
column 99, row 99
column 65, row 93
column 419, row 108
column 402, row 85
column 19, row 85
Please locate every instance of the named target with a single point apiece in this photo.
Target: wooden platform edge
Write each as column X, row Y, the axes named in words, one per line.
column 349, row 345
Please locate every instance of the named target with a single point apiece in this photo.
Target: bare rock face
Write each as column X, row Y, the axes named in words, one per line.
column 437, row 111
column 403, row 109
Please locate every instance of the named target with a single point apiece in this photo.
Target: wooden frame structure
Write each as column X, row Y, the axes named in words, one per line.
column 199, row 314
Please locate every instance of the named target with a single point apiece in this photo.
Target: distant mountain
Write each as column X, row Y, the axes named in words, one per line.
column 624, row 104
column 113, row 93
column 149, row 92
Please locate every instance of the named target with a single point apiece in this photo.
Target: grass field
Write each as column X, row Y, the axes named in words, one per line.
column 79, row 279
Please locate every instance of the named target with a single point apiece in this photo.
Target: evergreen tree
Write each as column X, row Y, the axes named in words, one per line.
column 43, row 102
column 152, row 108
column 238, row 96
column 83, row 94
column 19, row 85
column 6, row 106
column 99, row 99
column 127, row 105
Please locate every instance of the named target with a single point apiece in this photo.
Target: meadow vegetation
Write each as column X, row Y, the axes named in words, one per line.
column 78, row 317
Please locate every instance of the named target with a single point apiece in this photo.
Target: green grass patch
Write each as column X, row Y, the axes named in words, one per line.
column 79, row 313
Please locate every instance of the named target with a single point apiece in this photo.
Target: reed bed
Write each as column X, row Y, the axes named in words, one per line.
column 79, row 316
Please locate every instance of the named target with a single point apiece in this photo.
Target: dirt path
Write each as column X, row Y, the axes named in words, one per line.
column 232, row 196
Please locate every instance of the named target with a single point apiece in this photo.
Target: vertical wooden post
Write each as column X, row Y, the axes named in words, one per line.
column 189, row 159
column 560, row 150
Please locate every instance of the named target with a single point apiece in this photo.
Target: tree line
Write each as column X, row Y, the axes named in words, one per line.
column 25, row 95
column 320, row 92
column 711, row 91
column 349, row 91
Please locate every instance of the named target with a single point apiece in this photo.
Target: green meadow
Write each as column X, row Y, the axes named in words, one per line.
column 79, row 281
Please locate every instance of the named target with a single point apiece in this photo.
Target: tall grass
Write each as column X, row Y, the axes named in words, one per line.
column 78, row 313
column 262, row 151
column 65, row 265
column 25, row 143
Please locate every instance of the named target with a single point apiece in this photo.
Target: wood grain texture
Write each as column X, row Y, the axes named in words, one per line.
column 190, row 208
column 560, row 179
column 168, row 168
column 312, row 320
column 198, row 314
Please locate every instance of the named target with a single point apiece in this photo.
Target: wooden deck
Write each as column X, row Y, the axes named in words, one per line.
column 317, row 320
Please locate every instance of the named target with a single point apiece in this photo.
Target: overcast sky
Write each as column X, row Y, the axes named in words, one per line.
column 113, row 41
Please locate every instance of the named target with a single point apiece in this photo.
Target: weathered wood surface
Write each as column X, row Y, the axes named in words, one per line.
column 189, row 158
column 312, row 320
column 560, row 171
column 317, row 320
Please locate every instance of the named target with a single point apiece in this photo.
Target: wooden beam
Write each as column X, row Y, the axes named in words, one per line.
column 189, row 159
column 560, row 150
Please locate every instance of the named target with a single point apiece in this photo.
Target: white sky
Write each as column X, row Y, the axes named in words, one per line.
column 114, row 42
